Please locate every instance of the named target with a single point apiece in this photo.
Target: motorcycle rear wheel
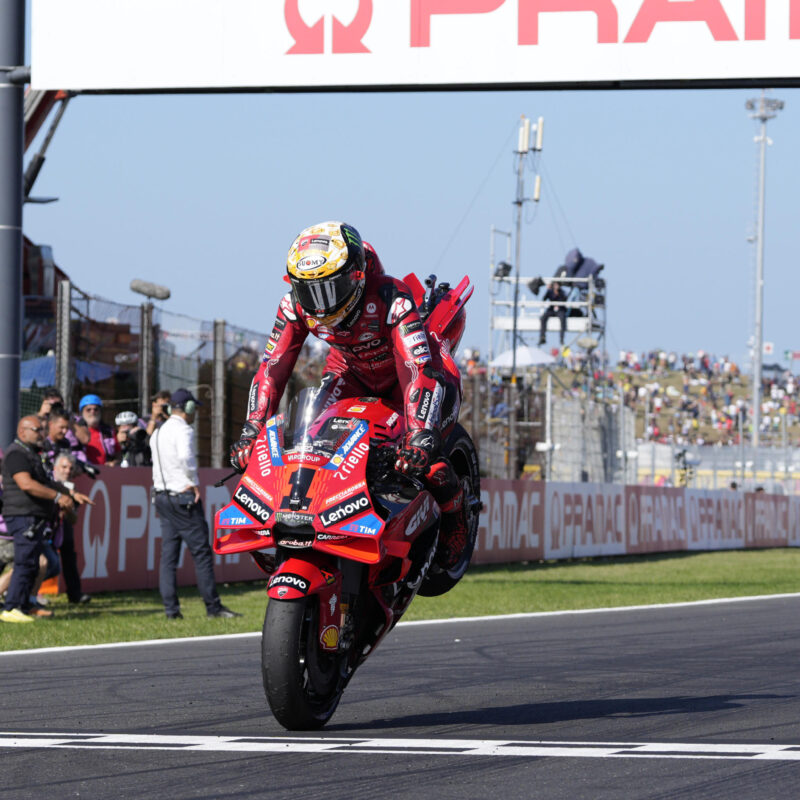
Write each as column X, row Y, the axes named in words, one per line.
column 301, row 680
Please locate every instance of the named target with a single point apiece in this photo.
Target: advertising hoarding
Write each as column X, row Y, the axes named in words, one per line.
column 287, row 45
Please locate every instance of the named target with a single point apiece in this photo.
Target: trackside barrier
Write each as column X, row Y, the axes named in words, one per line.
column 527, row 520
column 119, row 539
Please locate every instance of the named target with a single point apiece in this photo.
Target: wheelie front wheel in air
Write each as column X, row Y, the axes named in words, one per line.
column 301, row 680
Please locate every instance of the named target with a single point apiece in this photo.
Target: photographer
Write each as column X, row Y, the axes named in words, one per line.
column 159, row 412
column 132, row 440
column 31, row 500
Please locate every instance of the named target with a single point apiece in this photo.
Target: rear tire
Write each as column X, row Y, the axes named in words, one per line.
column 301, row 680
column 460, row 449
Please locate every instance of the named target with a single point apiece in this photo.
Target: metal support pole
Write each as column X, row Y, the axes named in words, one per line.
column 476, row 410
column 621, row 436
column 218, row 396
column 12, row 54
column 64, row 359
column 548, row 470
column 513, row 438
column 764, row 109
column 145, row 358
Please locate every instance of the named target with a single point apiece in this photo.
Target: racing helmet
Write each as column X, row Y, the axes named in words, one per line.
column 326, row 267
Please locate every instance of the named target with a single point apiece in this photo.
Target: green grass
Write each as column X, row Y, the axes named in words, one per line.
column 484, row 591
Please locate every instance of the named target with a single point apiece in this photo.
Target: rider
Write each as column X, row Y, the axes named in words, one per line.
column 341, row 294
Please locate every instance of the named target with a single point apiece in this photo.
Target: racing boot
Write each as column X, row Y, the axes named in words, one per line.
column 453, row 532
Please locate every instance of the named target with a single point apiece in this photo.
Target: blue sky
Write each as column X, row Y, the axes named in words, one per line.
column 204, row 193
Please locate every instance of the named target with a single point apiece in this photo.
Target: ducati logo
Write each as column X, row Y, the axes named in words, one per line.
column 309, row 39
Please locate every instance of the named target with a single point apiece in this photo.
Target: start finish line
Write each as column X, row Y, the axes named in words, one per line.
column 218, row 45
column 399, row 747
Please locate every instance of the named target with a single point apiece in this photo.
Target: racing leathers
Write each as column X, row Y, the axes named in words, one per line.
column 380, row 349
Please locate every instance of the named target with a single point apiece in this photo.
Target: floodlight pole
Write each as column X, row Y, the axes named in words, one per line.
column 12, row 55
column 764, row 109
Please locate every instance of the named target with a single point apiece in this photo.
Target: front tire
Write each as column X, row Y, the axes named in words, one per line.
column 301, row 680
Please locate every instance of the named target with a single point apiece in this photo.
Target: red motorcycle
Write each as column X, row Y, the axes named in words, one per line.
column 346, row 540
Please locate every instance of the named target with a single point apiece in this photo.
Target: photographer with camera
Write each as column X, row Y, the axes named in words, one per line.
column 159, row 412
column 132, row 439
column 31, row 499
column 180, row 509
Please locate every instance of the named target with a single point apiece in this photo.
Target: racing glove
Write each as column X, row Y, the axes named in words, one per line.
column 418, row 452
column 240, row 451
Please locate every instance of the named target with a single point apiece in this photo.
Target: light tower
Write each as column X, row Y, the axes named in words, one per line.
column 764, row 109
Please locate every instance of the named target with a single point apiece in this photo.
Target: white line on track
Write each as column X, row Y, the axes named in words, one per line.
column 410, row 624
column 433, row 747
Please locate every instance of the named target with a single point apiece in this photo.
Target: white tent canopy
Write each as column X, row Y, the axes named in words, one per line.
column 526, row 357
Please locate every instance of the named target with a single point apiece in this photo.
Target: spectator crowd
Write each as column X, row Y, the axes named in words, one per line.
column 52, row 448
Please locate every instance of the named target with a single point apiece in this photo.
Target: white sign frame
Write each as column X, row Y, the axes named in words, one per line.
column 297, row 45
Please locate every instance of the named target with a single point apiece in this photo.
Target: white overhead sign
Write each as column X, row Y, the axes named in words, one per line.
column 291, row 44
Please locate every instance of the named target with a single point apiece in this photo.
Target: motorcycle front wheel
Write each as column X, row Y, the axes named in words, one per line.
column 301, row 680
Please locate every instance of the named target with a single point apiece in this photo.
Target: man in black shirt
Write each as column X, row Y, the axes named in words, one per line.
column 31, row 501
column 554, row 294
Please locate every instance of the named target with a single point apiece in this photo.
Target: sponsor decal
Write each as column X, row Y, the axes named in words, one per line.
column 262, row 458
column 357, row 409
column 331, row 537
column 345, row 493
column 369, row 525
column 424, row 405
column 415, row 338
column 294, row 518
column 232, row 517
column 380, row 357
column 311, row 262
column 274, row 447
column 286, row 307
column 275, row 335
column 270, row 346
column 314, row 243
column 329, row 579
column 297, row 544
column 280, row 324
column 282, row 592
column 349, row 443
column 305, row 458
column 345, row 510
column 329, row 638
column 250, row 503
column 366, row 337
column 371, row 308
column 289, row 579
column 410, row 327
column 258, row 489
column 400, row 308
column 420, row 515
column 420, row 349
column 342, row 424
column 391, row 421
column 420, row 360
column 367, row 346
column 345, row 470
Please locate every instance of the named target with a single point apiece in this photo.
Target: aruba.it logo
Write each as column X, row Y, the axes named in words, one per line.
column 310, row 39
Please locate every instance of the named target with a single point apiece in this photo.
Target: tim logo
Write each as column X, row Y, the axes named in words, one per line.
column 309, row 39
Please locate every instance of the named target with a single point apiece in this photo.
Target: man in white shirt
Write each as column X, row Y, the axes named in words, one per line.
column 180, row 509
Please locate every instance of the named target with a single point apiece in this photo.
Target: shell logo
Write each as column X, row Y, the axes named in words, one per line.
column 330, row 637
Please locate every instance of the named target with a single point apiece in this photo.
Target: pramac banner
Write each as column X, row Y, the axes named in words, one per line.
column 129, row 45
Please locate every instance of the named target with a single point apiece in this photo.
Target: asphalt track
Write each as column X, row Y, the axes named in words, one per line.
column 698, row 701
